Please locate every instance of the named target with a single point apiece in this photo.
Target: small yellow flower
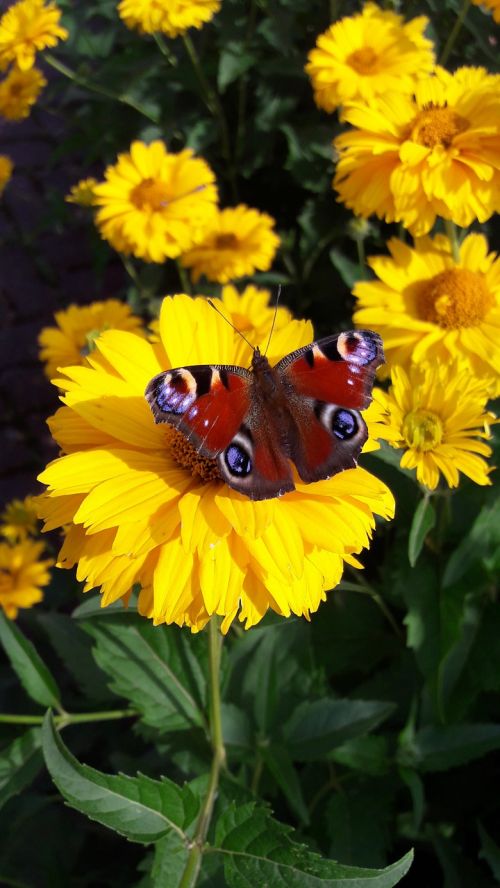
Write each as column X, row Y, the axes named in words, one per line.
column 6, row 167
column 172, row 17
column 154, row 204
column 19, row 519
column 364, row 56
column 437, row 415
column 427, row 307
column 27, row 27
column 436, row 153
column 492, row 5
column 22, row 573
column 142, row 507
column 252, row 315
column 239, row 241
column 82, row 193
column 19, row 92
column 76, row 330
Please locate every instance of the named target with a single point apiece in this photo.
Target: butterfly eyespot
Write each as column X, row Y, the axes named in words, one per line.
column 344, row 424
column 237, row 460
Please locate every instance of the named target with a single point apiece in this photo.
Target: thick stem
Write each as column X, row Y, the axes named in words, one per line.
column 454, row 33
column 451, row 231
column 192, row 869
column 68, row 718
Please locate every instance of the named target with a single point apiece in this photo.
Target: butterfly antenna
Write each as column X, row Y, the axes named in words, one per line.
column 213, row 305
column 274, row 319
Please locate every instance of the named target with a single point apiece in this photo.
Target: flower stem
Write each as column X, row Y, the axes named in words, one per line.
column 165, row 51
column 184, row 278
column 454, row 33
column 68, row 718
column 96, row 88
column 192, row 869
column 451, row 231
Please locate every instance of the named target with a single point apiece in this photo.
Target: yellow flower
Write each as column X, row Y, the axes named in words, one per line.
column 22, row 573
column 26, row 28
column 19, row 91
column 77, row 329
column 82, row 193
column 411, row 158
column 426, row 307
column 142, row 507
column 19, row 519
column 364, row 56
column 252, row 315
column 6, row 167
column 493, row 5
column 239, row 241
column 154, row 204
column 437, row 415
column 173, row 17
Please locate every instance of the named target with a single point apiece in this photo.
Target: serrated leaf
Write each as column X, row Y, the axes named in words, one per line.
column 424, row 520
column 74, row 649
column 171, row 854
column 278, row 760
column 369, row 755
column 159, row 669
column 142, row 809
column 439, row 748
column 20, row 762
column 234, row 60
column 32, row 672
column 317, row 727
column 258, row 850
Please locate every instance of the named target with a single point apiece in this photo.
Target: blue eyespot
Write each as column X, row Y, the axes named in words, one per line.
column 344, row 425
column 237, row 460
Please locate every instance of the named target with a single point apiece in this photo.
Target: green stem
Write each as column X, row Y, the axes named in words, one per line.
column 454, row 33
column 163, row 47
column 96, row 88
column 451, row 231
column 192, row 869
column 360, row 246
column 68, row 718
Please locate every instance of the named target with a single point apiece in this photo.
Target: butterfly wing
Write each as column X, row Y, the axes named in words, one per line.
column 327, row 384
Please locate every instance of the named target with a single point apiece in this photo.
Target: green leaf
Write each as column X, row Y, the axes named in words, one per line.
column 349, row 271
column 278, row 760
column 233, row 62
column 74, row 648
column 258, row 850
column 490, row 852
column 442, row 747
column 358, row 824
column 424, row 520
column 142, row 809
column 481, row 543
column 315, row 728
column 159, row 669
column 171, row 854
column 32, row 672
column 20, row 762
column 369, row 755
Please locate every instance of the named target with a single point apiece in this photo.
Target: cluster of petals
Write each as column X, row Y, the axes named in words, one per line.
column 25, row 29
column 82, row 192
column 410, row 158
column 240, row 241
column 437, row 414
column 428, row 307
column 19, row 519
column 19, row 91
column 155, row 204
column 133, row 514
column 6, row 168
column 170, row 17
column 366, row 55
column 23, row 573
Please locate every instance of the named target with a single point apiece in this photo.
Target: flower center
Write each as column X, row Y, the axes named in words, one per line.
column 226, row 241
column 455, row 298
column 364, row 60
column 422, row 429
column 437, row 126
column 150, row 195
column 186, row 456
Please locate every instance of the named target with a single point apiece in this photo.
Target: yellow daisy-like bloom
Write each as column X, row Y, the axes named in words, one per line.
column 436, row 153
column 6, row 167
column 142, row 507
column 252, row 315
column 239, row 241
column 25, row 29
column 154, row 204
column 492, row 5
column 437, row 415
column 82, row 193
column 22, row 573
column 77, row 329
column 172, row 17
column 427, row 307
column 365, row 55
column 19, row 92
column 19, row 519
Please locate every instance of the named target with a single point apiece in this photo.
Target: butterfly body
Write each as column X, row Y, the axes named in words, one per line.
column 256, row 421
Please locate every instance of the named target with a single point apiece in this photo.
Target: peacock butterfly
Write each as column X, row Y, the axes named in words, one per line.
column 304, row 409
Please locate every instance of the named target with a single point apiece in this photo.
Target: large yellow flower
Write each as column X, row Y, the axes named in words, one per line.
column 239, row 241
column 173, row 17
column 436, row 153
column 365, row 55
column 437, row 415
column 493, row 5
column 22, row 573
column 25, row 29
column 141, row 507
column 19, row 519
column 19, row 92
column 6, row 167
column 426, row 307
column 77, row 328
column 154, row 204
